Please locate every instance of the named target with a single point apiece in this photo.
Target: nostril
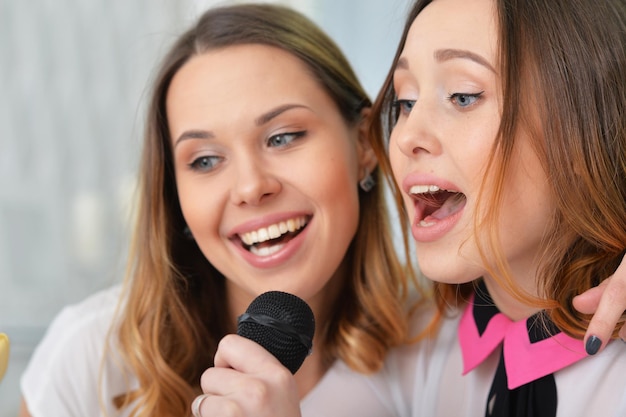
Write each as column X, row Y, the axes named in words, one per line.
column 254, row 189
column 417, row 150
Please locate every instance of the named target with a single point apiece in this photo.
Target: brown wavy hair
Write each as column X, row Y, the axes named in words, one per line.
column 174, row 310
column 563, row 81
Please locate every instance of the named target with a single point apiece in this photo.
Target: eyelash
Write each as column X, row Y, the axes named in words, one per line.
column 403, row 106
column 400, row 106
column 454, row 98
column 294, row 136
column 196, row 164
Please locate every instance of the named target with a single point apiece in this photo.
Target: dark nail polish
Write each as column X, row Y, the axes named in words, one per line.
column 593, row 345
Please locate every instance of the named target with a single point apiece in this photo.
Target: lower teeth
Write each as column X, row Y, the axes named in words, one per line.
column 266, row 250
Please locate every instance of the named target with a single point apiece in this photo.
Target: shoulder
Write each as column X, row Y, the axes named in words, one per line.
column 87, row 321
column 96, row 304
column 410, row 370
column 64, row 368
column 431, row 332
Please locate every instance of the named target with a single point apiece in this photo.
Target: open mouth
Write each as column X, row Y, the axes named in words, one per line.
column 268, row 240
column 434, row 204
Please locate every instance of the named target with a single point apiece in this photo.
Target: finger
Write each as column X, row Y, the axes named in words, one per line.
column 610, row 308
column 212, row 405
column 588, row 302
column 244, row 355
column 239, row 363
column 220, row 381
column 269, row 392
column 196, row 405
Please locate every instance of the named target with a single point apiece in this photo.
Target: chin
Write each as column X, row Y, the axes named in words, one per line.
column 440, row 269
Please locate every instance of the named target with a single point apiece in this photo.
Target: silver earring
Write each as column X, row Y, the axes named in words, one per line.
column 367, row 183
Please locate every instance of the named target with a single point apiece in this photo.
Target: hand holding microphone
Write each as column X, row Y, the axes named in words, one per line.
column 253, row 374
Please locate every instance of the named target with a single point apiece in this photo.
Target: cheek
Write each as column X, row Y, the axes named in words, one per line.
column 331, row 170
column 335, row 189
column 336, row 185
column 529, row 202
column 200, row 205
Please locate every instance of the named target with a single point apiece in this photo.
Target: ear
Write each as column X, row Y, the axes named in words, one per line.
column 365, row 154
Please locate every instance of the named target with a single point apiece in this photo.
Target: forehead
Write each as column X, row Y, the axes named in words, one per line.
column 459, row 24
column 239, row 63
column 245, row 77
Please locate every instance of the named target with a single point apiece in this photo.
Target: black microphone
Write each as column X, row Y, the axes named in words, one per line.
column 283, row 324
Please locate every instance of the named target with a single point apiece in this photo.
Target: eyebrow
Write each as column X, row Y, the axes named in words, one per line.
column 442, row 55
column 194, row 134
column 266, row 117
column 259, row 121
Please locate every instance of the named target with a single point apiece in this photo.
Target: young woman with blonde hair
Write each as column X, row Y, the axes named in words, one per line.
column 256, row 125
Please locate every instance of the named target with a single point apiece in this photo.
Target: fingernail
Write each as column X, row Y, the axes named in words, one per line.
column 593, row 345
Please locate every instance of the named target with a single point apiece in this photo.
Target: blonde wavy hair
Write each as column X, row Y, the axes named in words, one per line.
column 173, row 312
column 563, row 81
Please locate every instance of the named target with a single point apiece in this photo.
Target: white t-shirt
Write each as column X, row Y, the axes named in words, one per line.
column 419, row 380
column 62, row 377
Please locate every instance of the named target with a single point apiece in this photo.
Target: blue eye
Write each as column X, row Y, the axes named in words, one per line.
column 284, row 139
column 464, row 100
column 205, row 163
column 402, row 106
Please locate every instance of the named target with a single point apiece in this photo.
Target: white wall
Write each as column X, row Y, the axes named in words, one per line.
column 72, row 79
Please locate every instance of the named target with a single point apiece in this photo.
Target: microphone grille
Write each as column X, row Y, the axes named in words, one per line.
column 283, row 324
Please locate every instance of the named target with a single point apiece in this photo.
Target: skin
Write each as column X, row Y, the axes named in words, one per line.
column 236, row 175
column 247, row 379
column 258, row 387
column 449, row 101
column 242, row 164
column 607, row 303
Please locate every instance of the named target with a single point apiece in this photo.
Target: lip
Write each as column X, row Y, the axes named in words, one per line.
column 283, row 254
column 443, row 226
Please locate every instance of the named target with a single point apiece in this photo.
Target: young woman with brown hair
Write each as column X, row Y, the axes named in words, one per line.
column 508, row 144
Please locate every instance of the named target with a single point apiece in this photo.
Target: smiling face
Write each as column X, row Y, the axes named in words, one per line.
column 266, row 169
column 449, row 106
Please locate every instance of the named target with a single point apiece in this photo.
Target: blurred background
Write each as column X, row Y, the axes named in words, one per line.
column 73, row 78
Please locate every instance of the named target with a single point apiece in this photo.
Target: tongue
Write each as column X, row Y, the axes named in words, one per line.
column 452, row 205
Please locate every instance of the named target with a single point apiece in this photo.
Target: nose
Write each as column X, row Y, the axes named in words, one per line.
column 253, row 183
column 416, row 133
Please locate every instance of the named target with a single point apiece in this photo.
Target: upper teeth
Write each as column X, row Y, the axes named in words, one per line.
column 422, row 189
column 273, row 231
